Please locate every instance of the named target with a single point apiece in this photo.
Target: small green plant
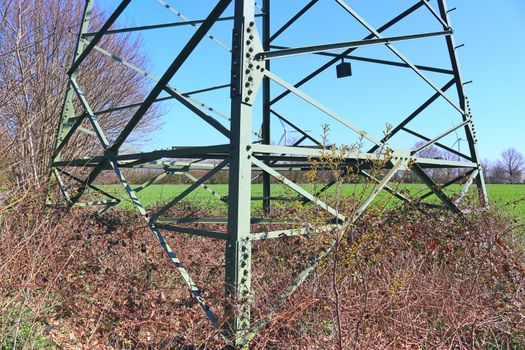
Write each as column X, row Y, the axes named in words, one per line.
column 19, row 330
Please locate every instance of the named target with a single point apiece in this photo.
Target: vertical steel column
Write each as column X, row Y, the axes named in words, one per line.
column 266, row 103
column 238, row 245
column 67, row 115
column 469, row 128
column 67, row 110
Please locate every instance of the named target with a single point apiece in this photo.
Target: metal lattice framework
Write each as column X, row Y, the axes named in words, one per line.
column 246, row 152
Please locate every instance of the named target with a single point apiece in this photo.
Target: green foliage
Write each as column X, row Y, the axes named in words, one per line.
column 510, row 197
column 19, row 330
column 497, row 344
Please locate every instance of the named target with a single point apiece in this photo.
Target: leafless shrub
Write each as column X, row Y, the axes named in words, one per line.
column 37, row 41
column 403, row 281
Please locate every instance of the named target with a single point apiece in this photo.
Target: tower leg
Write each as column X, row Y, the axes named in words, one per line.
column 469, row 127
column 238, row 245
column 67, row 114
column 266, row 103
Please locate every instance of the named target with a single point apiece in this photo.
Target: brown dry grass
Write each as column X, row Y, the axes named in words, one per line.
column 404, row 282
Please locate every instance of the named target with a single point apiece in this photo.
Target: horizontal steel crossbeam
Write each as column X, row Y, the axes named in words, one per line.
column 268, row 55
column 247, row 156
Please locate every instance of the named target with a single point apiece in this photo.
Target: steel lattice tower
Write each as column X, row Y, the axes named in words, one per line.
column 251, row 76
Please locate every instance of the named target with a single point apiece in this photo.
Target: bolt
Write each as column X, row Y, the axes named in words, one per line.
column 252, row 24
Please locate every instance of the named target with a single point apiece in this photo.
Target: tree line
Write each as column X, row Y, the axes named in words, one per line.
column 37, row 41
column 509, row 169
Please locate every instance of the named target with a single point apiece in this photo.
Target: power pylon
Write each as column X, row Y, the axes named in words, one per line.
column 251, row 77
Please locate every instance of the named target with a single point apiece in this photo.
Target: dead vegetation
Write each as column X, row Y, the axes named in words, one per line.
column 37, row 43
column 69, row 280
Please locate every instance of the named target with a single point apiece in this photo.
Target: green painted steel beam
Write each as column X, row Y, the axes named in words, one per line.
column 238, row 250
column 245, row 155
column 448, row 183
column 68, row 123
column 287, row 182
column 435, row 188
column 95, row 203
column 209, row 189
column 206, row 220
column 158, row 26
column 396, row 52
column 469, row 128
column 187, row 191
column 295, row 51
column 194, row 289
column 336, row 59
column 109, row 22
column 377, row 61
column 191, row 231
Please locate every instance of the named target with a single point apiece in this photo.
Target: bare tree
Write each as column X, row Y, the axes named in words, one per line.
column 37, row 40
column 432, row 152
column 429, row 152
column 497, row 173
column 485, row 167
column 514, row 164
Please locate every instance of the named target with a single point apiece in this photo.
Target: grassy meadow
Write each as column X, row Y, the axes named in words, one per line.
column 510, row 198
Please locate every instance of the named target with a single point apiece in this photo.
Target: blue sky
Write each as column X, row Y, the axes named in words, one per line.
column 493, row 58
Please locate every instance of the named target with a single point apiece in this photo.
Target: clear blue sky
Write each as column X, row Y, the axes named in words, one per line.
column 493, row 57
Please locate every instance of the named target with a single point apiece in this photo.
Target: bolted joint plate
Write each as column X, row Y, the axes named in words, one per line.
column 403, row 155
column 239, row 282
column 252, row 72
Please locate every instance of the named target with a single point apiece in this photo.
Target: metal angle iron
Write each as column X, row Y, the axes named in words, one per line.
column 250, row 55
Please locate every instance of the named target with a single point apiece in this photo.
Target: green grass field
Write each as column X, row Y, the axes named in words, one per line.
column 511, row 198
